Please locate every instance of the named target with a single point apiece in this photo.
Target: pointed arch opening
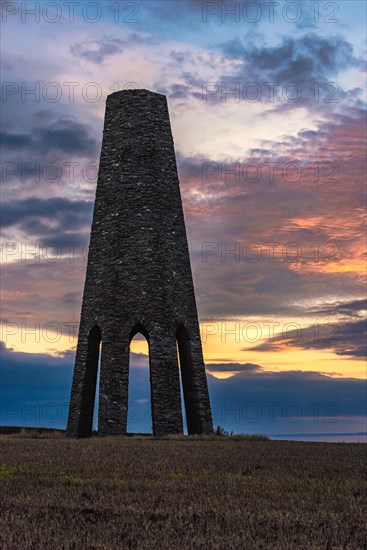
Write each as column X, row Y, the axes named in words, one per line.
column 186, row 365
column 96, row 399
column 89, row 386
column 139, row 418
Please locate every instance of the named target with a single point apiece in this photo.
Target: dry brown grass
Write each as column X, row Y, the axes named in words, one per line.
column 183, row 493
column 33, row 433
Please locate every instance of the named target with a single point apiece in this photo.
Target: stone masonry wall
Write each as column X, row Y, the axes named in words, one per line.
column 138, row 278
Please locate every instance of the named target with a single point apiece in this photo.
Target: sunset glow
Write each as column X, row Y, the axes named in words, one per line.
column 273, row 191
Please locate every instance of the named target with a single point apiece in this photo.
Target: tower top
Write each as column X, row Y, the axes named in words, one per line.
column 140, row 92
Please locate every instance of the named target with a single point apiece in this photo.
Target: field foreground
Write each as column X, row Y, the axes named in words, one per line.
column 181, row 493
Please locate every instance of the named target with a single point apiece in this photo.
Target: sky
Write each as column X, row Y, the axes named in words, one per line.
column 267, row 102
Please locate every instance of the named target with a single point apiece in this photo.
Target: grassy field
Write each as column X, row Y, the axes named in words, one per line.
column 181, row 493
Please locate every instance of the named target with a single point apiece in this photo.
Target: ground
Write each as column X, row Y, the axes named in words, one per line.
column 218, row 493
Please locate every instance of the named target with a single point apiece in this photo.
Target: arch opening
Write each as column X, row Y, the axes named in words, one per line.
column 139, row 328
column 88, row 394
column 139, row 418
column 182, row 395
column 96, row 399
column 186, row 364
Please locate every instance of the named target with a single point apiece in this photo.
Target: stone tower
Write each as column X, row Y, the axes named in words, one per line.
column 138, row 279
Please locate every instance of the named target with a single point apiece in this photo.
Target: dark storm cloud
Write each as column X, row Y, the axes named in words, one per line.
column 348, row 308
column 42, row 378
column 31, row 214
column 15, row 141
column 60, row 240
column 305, row 61
column 304, row 389
column 352, row 339
column 233, row 367
column 35, row 387
column 310, row 57
column 63, row 135
column 20, row 366
column 347, row 339
column 35, row 375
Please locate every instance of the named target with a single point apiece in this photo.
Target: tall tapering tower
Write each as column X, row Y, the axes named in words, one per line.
column 138, row 279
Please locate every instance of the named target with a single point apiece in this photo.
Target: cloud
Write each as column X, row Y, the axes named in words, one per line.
column 242, row 212
column 305, row 60
column 310, row 57
column 37, row 376
column 234, row 49
column 42, row 283
column 35, row 388
column 48, row 154
column 98, row 50
column 252, row 401
column 269, row 402
column 68, row 213
column 54, row 222
column 238, row 212
column 63, row 135
column 20, row 368
column 347, row 308
column 233, row 367
column 344, row 338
